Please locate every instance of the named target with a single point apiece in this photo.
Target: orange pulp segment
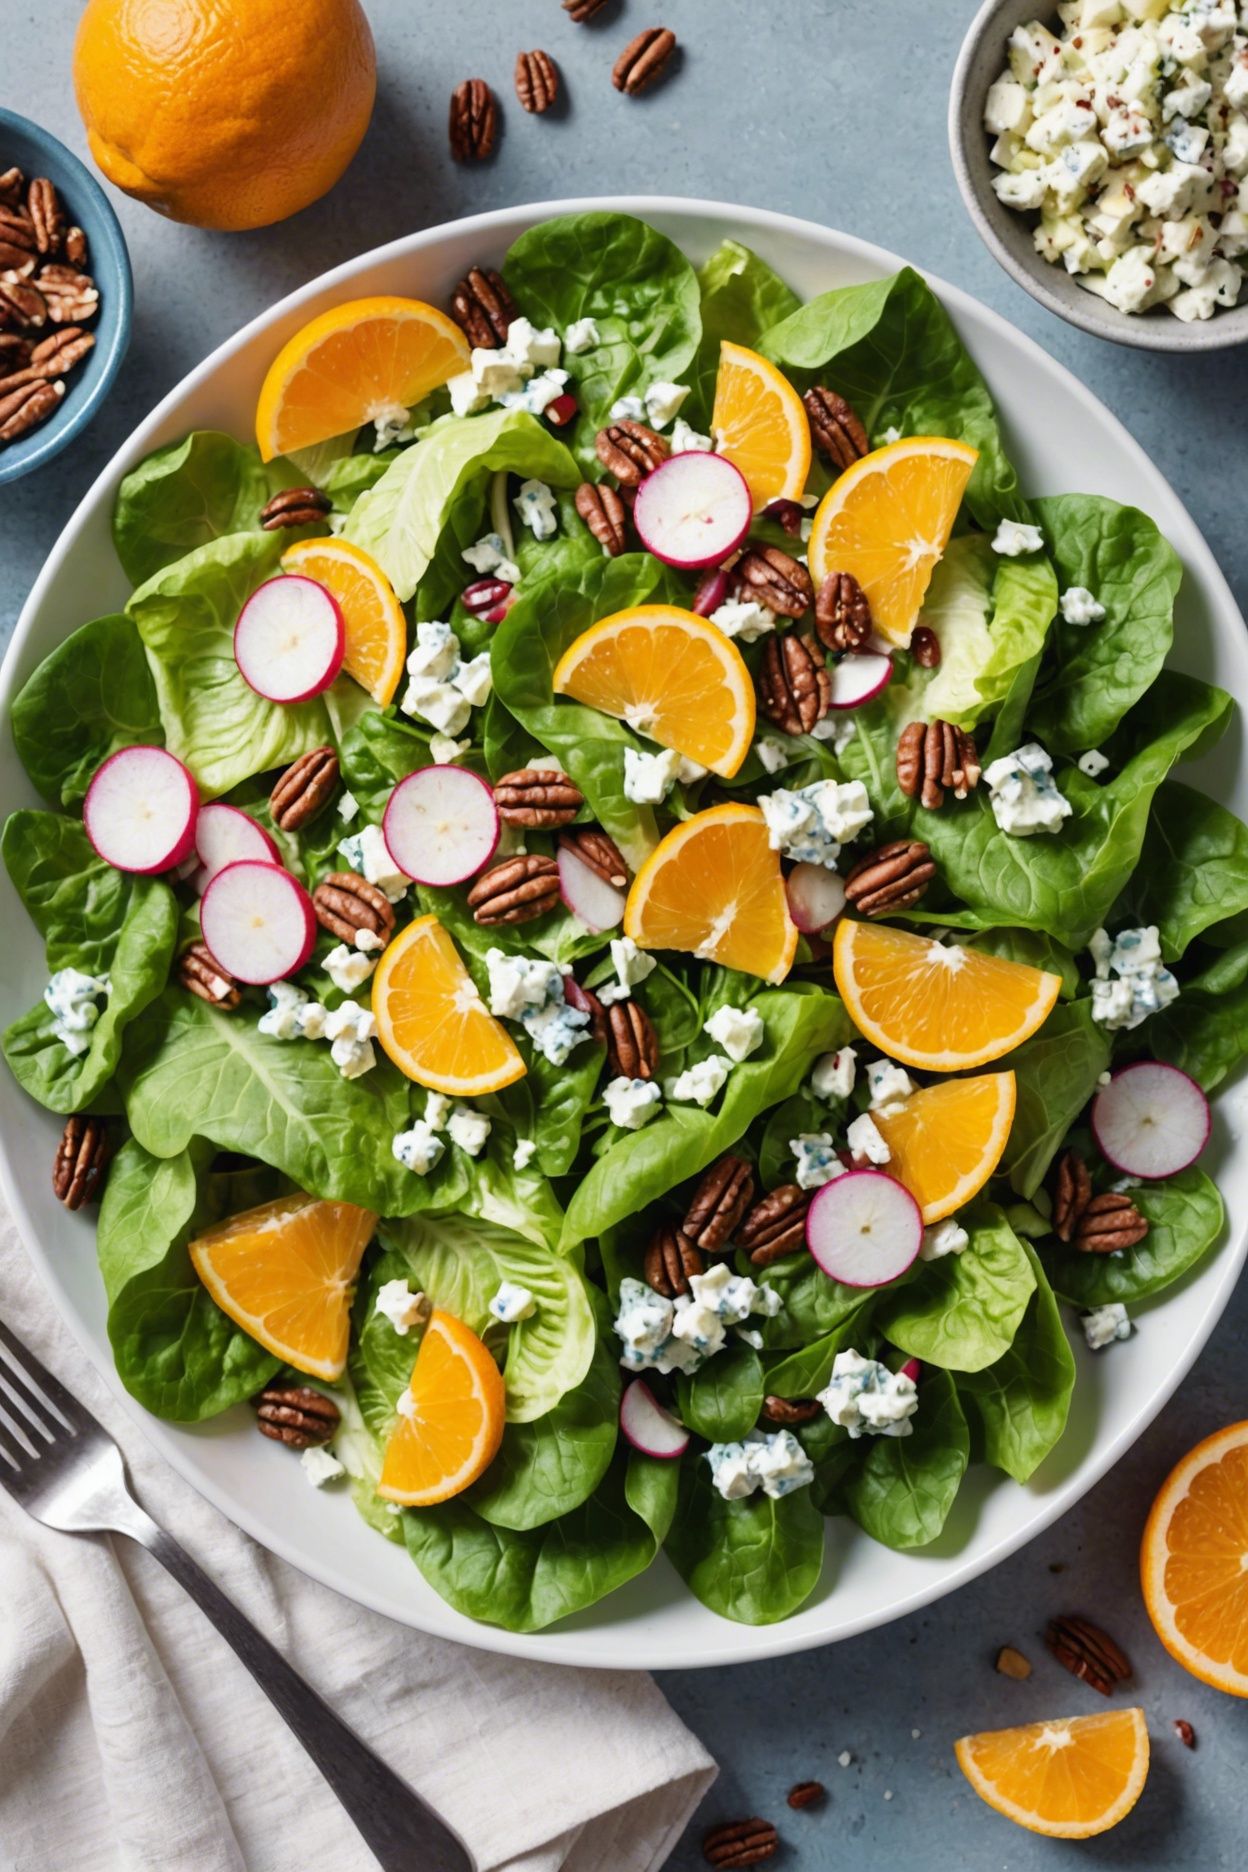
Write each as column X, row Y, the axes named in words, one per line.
column 759, row 423
column 431, row 1019
column 946, row 1141
column 713, row 887
column 450, row 1420
column 376, row 630
column 1070, row 1779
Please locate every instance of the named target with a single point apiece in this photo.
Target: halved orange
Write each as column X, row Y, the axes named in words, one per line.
column 946, row 1141
column 1070, row 1778
column 432, row 1021
column 1194, row 1561
column 671, row 676
column 366, row 359
column 376, row 629
column 887, row 520
column 713, row 887
column 936, row 1005
column 450, row 1421
column 759, row 423
column 284, row 1273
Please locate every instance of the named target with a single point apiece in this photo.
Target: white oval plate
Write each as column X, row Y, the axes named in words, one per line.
column 1062, row 440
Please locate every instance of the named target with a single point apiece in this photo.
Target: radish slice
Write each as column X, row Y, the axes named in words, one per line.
column 290, row 639
column 140, row 810
column 1151, row 1120
column 599, row 905
column 816, row 897
column 864, row 1228
column 648, row 1427
column 911, row 1370
column 857, row 680
column 223, row 835
column 257, row 921
column 693, row 510
column 441, row 825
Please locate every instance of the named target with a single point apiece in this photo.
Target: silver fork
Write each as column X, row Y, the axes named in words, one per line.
column 65, row 1470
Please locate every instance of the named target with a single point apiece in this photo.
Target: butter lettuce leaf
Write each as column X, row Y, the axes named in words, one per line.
column 90, row 696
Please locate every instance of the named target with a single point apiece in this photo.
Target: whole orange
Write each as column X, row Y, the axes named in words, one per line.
column 224, row 113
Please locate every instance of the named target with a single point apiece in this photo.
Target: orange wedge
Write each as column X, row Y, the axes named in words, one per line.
column 887, row 520
column 450, row 1421
column 283, row 1272
column 376, row 629
column 936, row 1005
column 946, row 1141
column 759, row 423
column 1194, row 1561
column 713, row 887
column 432, row 1021
column 366, row 359
column 671, row 676
column 1070, row 1779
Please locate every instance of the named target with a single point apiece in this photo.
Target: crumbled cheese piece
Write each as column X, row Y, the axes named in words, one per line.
column 1104, row 1324
column 631, row 1103
column 444, row 749
column 663, row 401
column 627, row 409
column 738, row 1030
column 773, row 1461
column 699, row 1084
column 556, row 1028
column 419, row 1149
column 404, row 1309
column 582, row 335
column 743, row 618
column 391, row 426
column 944, row 1238
column 839, row 728
column 1093, row 763
column 834, row 1074
column 74, row 1000
column 1025, row 798
column 320, row 1465
column 366, row 851
column 643, row 1326
column 1012, row 539
column 437, row 1110
column 512, row 1302
column 489, row 557
column 351, row 1028
column 469, row 1129
column 291, row 1015
column 649, row 778
column 520, row 982
column 772, row 755
column 1080, row 607
column 473, row 679
column 817, row 1159
column 1131, row 982
column 438, row 703
column 495, row 372
column 811, row 824
column 536, row 505
column 532, row 349
column 347, row 968
column 888, row 1085
column 867, row 1399
column 524, row 1153
column 368, row 942
column 537, row 395
column 689, row 441
column 864, row 1140
column 467, row 395
column 631, row 965
column 348, row 807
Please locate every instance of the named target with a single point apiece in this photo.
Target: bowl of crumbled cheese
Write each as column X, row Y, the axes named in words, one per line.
column 1101, row 147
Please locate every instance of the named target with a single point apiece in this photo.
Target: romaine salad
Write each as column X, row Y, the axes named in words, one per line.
column 741, row 1266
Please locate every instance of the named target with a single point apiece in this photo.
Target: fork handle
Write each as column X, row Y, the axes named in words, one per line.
column 401, row 1831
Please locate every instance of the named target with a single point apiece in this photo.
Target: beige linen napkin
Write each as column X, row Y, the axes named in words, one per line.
column 131, row 1739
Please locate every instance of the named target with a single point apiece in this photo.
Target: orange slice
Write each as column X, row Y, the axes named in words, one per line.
column 432, row 1021
column 1194, row 1561
column 946, row 1141
column 887, row 520
column 375, row 626
column 283, row 1272
column 937, row 1005
column 671, row 676
column 713, row 887
column 450, row 1421
column 759, row 423
column 366, row 359
column 1070, row 1779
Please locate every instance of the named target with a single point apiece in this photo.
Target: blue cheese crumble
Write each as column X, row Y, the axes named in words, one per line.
column 531, row 991
column 347, row 968
column 512, row 1303
column 835, row 1074
column 581, row 335
column 664, row 1335
column 631, row 965
column 739, row 1031
column 420, row 1149
column 867, row 1399
column 1093, row 763
column 1103, row 1325
column 631, row 1103
column 320, row 1465
column 811, row 824
column 468, row 1129
column 663, row 402
column 366, row 851
column 773, row 1461
column 744, row 618
column 351, row 1029
column 490, row 558
column 700, row 1084
column 404, row 1309
column 75, row 1003
column 888, row 1086
column 1025, row 797
column 864, row 1140
column 649, row 778
column 536, row 505
column 1131, row 980
column 817, row 1159
column 686, row 440
column 943, row 1238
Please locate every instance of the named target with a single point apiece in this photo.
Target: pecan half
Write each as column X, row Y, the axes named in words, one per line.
column 473, row 122
column 27, row 406
column 925, row 647
column 1072, row 1192
column 582, row 10
column 772, row 577
column 776, row 1225
column 892, row 877
column 788, row 1413
column 21, row 305
column 44, row 205
column 605, row 514
column 934, row 758
column 794, row 687
column 15, row 352
column 296, row 1415
column 75, row 247
column 643, row 60
column 71, row 297
column 304, row 789
column 515, row 891
column 842, row 612
column 722, row 1196
column 13, row 182
column 740, row 1843
column 632, row 1044
column 201, row 974
column 806, row 1794
column 18, row 230
column 594, row 848
column 345, row 903
column 537, row 798
column 60, row 351
column 835, row 428
column 1109, row 1222
column 292, row 507
column 629, row 451
column 16, row 263
column 537, row 81
column 1087, row 1652
column 483, row 308
column 670, row 1259
column 78, row 1170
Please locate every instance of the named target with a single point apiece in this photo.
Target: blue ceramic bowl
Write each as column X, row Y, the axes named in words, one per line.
column 39, row 154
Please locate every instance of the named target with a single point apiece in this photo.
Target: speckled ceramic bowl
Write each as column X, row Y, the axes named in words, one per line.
column 1008, row 234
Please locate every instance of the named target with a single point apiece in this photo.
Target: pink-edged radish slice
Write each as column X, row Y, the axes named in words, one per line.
column 816, row 897
column 223, row 835
column 648, row 1426
column 140, row 810
column 911, row 1370
column 441, row 825
column 858, row 678
column 864, row 1228
column 1151, row 1120
column 693, row 510
column 599, row 905
column 290, row 638
column 257, row 921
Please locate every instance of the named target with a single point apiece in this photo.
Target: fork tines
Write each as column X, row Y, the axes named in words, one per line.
column 35, row 1408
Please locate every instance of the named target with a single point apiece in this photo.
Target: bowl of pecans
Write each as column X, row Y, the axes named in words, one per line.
column 65, row 296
